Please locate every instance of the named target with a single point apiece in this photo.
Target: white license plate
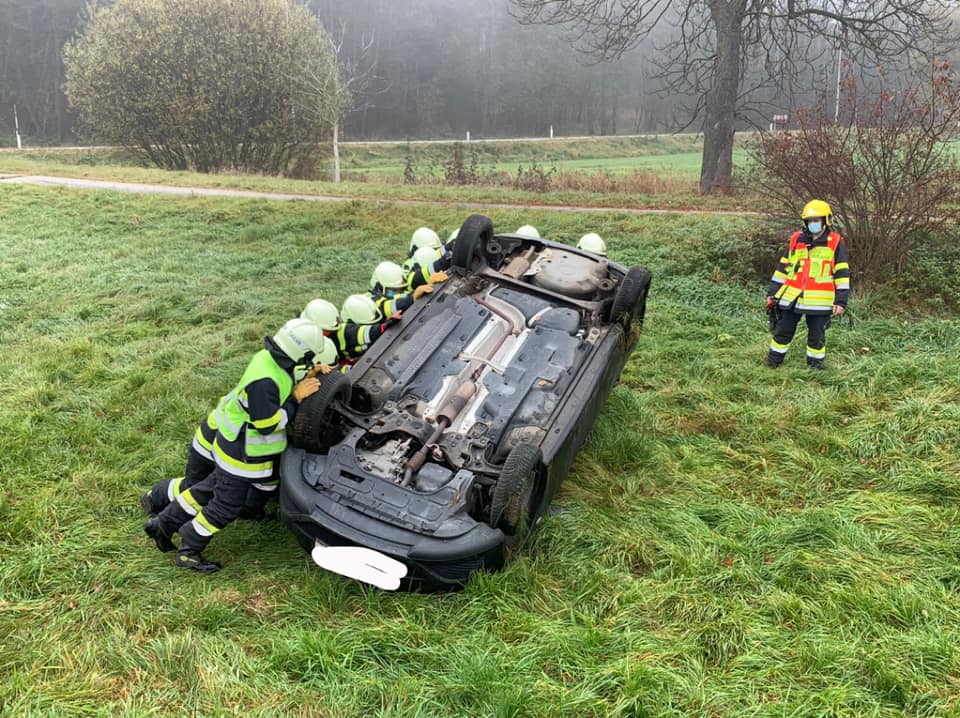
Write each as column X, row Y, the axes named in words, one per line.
column 361, row 564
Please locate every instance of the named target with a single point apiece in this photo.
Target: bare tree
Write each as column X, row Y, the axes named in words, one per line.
column 716, row 40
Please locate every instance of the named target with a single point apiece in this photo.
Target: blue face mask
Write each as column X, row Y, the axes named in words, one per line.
column 814, row 227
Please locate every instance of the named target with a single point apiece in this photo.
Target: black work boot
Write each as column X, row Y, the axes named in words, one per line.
column 146, row 503
column 195, row 560
column 774, row 359
column 815, row 363
column 154, row 530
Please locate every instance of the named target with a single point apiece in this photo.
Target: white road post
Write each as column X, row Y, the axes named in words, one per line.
column 16, row 124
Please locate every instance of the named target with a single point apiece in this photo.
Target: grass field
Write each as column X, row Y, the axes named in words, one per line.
column 732, row 541
column 665, row 173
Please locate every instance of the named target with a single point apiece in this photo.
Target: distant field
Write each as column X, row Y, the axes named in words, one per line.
column 732, row 541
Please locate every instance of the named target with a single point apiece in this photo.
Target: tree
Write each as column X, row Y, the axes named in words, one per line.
column 887, row 168
column 716, row 40
column 203, row 84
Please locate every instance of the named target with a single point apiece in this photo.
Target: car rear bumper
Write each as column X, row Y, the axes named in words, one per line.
column 434, row 562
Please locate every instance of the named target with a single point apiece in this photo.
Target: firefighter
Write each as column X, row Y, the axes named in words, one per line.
column 426, row 266
column 812, row 281
column 363, row 323
column 251, row 432
column 388, row 289
column 593, row 243
column 324, row 314
column 424, row 237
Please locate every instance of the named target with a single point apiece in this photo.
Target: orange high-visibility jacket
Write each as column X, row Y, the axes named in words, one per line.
column 813, row 276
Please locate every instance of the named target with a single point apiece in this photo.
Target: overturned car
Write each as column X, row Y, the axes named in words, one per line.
column 438, row 452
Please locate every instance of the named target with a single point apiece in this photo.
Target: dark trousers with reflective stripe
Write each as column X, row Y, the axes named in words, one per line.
column 198, row 468
column 220, row 497
column 787, row 327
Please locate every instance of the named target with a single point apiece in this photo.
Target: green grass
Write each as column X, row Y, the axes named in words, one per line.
column 732, row 541
column 377, row 170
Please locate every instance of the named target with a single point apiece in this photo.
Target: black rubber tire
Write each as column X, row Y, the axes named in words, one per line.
column 471, row 240
column 515, row 493
column 312, row 429
column 630, row 303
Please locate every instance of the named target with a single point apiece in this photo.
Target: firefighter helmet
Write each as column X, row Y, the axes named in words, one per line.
column 322, row 313
column 424, row 237
column 529, row 231
column 593, row 242
column 360, row 309
column 303, row 341
column 387, row 275
column 817, row 208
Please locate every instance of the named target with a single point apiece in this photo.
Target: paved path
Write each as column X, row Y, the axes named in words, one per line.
column 139, row 188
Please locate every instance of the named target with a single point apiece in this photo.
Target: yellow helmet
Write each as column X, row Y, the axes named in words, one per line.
column 817, row 208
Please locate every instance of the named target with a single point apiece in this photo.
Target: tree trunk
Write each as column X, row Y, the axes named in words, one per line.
column 336, row 151
column 716, row 170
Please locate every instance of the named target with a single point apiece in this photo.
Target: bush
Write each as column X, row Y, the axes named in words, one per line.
column 886, row 170
column 205, row 84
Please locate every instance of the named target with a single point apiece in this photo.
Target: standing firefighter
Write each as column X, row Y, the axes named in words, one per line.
column 251, row 432
column 813, row 280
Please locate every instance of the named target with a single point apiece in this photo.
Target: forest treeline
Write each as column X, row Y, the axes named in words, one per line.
column 422, row 68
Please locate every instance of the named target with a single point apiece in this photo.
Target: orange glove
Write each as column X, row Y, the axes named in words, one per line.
column 421, row 290
column 319, row 369
column 438, row 277
column 305, row 388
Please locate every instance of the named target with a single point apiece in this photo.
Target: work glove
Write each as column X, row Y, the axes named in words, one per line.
column 305, row 388
column 438, row 277
column 319, row 369
column 770, row 302
column 421, row 290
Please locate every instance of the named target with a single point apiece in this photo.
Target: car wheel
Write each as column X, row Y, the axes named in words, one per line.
column 630, row 302
column 471, row 240
column 313, row 429
column 515, row 494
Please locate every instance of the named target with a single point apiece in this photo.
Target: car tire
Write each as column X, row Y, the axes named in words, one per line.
column 471, row 240
column 630, row 302
column 313, row 430
column 515, row 494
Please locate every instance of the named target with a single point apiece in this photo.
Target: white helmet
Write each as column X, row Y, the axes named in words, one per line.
column 593, row 242
column 424, row 237
column 360, row 309
column 453, row 236
column 528, row 230
column 425, row 256
column 387, row 275
column 323, row 314
column 303, row 341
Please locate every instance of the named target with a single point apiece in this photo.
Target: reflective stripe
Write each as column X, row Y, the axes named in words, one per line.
column 841, row 265
column 259, row 470
column 205, row 450
column 843, row 284
column 284, row 419
column 188, row 503
column 173, row 488
column 269, row 445
column 268, row 487
column 269, row 421
column 778, row 348
column 779, row 277
column 202, row 526
column 816, row 353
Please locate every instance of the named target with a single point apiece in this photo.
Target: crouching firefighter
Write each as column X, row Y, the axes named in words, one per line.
column 812, row 281
column 251, row 433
